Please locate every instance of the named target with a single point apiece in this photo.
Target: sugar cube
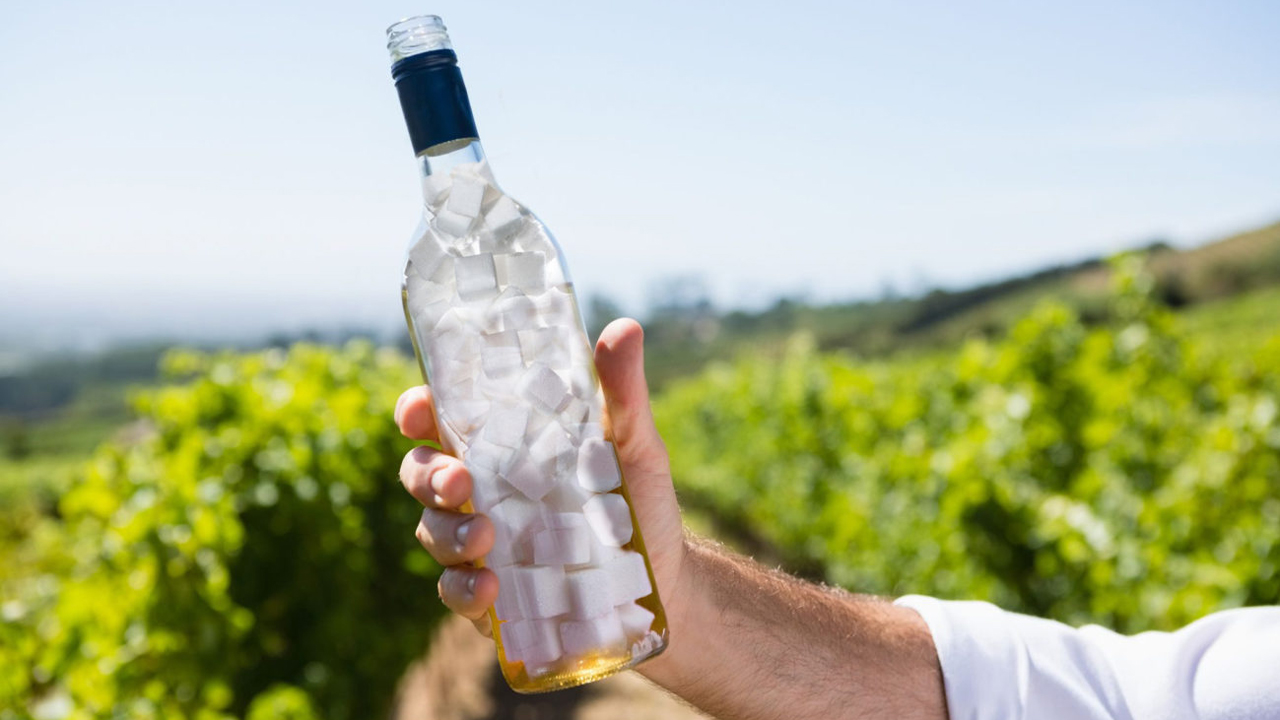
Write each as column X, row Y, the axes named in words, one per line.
column 466, row 195
column 569, row 497
column 507, row 606
column 589, row 593
column 504, row 218
column 562, row 546
column 529, row 477
column 543, row 388
column 488, row 489
column 515, row 520
column 476, row 277
column 587, row 431
column 636, row 621
column 526, row 271
column 505, row 426
column 601, row 633
column 610, row 518
column 489, row 457
column 628, row 577
column 598, row 467
column 427, row 254
column 451, row 223
column 548, row 345
column 556, row 308
column 463, row 415
column 572, row 415
column 552, row 451
column 518, row 311
column 533, row 642
column 501, row 361
column 541, row 589
column 434, row 188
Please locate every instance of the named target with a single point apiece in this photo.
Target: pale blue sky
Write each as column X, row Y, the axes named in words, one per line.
column 207, row 167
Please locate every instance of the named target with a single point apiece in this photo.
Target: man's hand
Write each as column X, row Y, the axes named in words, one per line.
column 441, row 483
column 746, row 642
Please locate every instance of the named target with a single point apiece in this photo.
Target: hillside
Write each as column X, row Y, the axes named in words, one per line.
column 1240, row 266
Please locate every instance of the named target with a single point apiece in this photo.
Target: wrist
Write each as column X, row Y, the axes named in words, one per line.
column 679, row 596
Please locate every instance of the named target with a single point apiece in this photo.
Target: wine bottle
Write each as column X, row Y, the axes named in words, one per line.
column 499, row 338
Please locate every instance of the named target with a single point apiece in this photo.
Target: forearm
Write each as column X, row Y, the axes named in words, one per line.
column 748, row 643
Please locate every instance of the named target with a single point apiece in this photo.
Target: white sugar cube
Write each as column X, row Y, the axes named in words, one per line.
column 569, row 497
column 490, row 457
column 529, row 477
column 582, row 378
column 562, row 546
column 572, row 415
column 556, row 308
column 543, row 388
column 553, row 451
column 541, row 590
column 427, row 254
column 504, row 218
column 636, row 621
column 421, row 289
column 466, row 195
column 451, row 223
column 479, row 170
column 610, row 518
column 601, row 633
column 487, row 490
column 505, row 426
column 507, row 605
column 515, row 520
column 598, row 467
column 548, row 345
column 502, row 338
column 426, row 310
column 589, row 593
column 587, row 431
column 462, row 415
column 518, row 312
column 476, row 277
column 434, row 188
column 628, row 577
column 501, row 362
column 526, row 271
column 532, row 642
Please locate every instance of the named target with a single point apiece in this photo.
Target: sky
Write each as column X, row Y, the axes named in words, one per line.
column 215, row 170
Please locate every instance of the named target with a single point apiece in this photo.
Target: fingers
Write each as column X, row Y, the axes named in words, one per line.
column 415, row 415
column 468, row 591
column 453, row 538
column 435, row 479
column 620, row 365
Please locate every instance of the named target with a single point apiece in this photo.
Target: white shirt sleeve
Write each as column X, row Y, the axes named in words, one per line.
column 999, row 665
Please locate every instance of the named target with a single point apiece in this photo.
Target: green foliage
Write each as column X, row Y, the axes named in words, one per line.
column 1119, row 475
column 255, row 547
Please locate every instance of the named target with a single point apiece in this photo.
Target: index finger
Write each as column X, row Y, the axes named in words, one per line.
column 416, row 416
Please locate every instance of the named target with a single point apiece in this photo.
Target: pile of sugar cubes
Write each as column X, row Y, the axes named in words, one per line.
column 511, row 371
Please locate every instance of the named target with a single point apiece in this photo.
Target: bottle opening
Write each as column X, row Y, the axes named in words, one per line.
column 417, row 35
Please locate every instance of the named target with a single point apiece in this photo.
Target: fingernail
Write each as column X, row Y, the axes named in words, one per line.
column 471, row 584
column 461, row 535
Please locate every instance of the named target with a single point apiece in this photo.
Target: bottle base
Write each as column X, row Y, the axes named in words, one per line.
column 582, row 672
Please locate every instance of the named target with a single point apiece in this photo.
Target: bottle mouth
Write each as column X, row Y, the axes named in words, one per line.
column 416, row 35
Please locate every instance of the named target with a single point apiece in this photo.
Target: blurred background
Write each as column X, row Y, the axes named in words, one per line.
column 980, row 302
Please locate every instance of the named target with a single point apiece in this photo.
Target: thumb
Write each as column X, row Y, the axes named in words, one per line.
column 620, row 365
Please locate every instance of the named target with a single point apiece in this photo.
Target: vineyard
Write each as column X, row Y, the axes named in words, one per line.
column 251, row 553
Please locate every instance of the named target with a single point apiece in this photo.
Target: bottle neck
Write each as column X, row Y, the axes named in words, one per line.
column 442, row 159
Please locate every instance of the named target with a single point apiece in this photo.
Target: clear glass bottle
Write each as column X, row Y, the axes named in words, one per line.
column 498, row 335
